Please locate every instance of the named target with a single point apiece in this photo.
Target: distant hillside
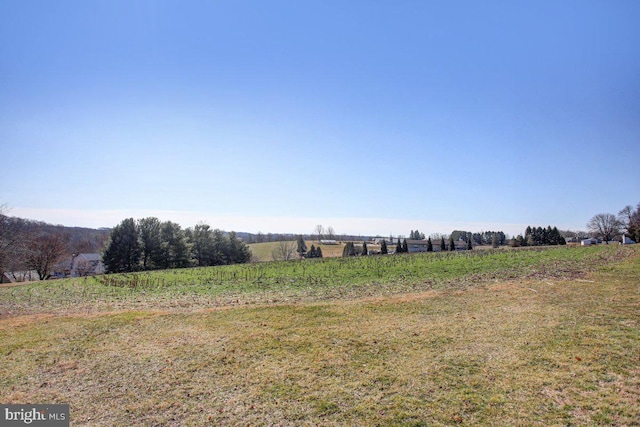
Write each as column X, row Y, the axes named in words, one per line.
column 80, row 239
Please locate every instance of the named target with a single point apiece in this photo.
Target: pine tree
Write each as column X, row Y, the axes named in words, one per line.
column 352, row 249
column 349, row 250
column 318, row 252
column 302, row 247
column 176, row 250
column 452, row 244
column 365, row 251
column 443, row 245
column 312, row 252
column 399, row 247
column 122, row 253
column 469, row 245
column 429, row 245
column 345, row 250
column 383, row 248
column 494, row 241
column 405, row 246
column 239, row 252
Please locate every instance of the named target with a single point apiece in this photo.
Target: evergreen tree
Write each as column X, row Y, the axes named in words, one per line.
column 302, row 247
column 221, row 248
column 345, row 250
column 150, row 242
column 399, row 247
column 239, row 252
column 365, row 251
column 528, row 237
column 443, row 245
column 494, row 241
column 349, row 250
column 469, row 245
column 405, row 246
column 452, row 244
column 318, row 252
column 559, row 239
column 203, row 249
column 176, row 252
column 352, row 250
column 383, row 248
column 312, row 252
column 429, row 245
column 122, row 253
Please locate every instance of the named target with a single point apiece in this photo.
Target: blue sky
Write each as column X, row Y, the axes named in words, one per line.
column 371, row 117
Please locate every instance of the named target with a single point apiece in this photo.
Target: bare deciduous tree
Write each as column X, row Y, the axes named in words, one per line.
column 604, row 225
column 319, row 231
column 14, row 235
column 331, row 234
column 284, row 251
column 630, row 221
column 44, row 252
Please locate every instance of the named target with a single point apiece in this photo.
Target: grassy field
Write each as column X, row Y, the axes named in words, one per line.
column 547, row 337
column 262, row 252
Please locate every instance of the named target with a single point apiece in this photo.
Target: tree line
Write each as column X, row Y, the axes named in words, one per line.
column 539, row 236
column 149, row 244
column 481, row 238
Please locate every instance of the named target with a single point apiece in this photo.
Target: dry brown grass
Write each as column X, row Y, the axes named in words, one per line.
column 535, row 352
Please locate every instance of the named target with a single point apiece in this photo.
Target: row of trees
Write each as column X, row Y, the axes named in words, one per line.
column 416, row 235
column 543, row 236
column 352, row 249
column 148, row 244
column 481, row 238
column 538, row 236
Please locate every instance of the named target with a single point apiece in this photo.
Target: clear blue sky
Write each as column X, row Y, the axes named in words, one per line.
column 369, row 116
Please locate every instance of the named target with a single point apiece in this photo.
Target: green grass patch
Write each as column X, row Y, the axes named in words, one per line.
column 303, row 280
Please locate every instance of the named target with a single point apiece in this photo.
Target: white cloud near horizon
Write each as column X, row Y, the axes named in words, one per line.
column 264, row 224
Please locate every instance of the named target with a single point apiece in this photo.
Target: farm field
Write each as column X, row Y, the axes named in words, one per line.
column 262, row 252
column 523, row 337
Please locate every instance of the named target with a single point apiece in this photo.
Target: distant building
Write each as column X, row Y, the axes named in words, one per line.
column 627, row 241
column 417, row 246
column 86, row 265
column 328, row 242
column 392, row 241
column 590, row 241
